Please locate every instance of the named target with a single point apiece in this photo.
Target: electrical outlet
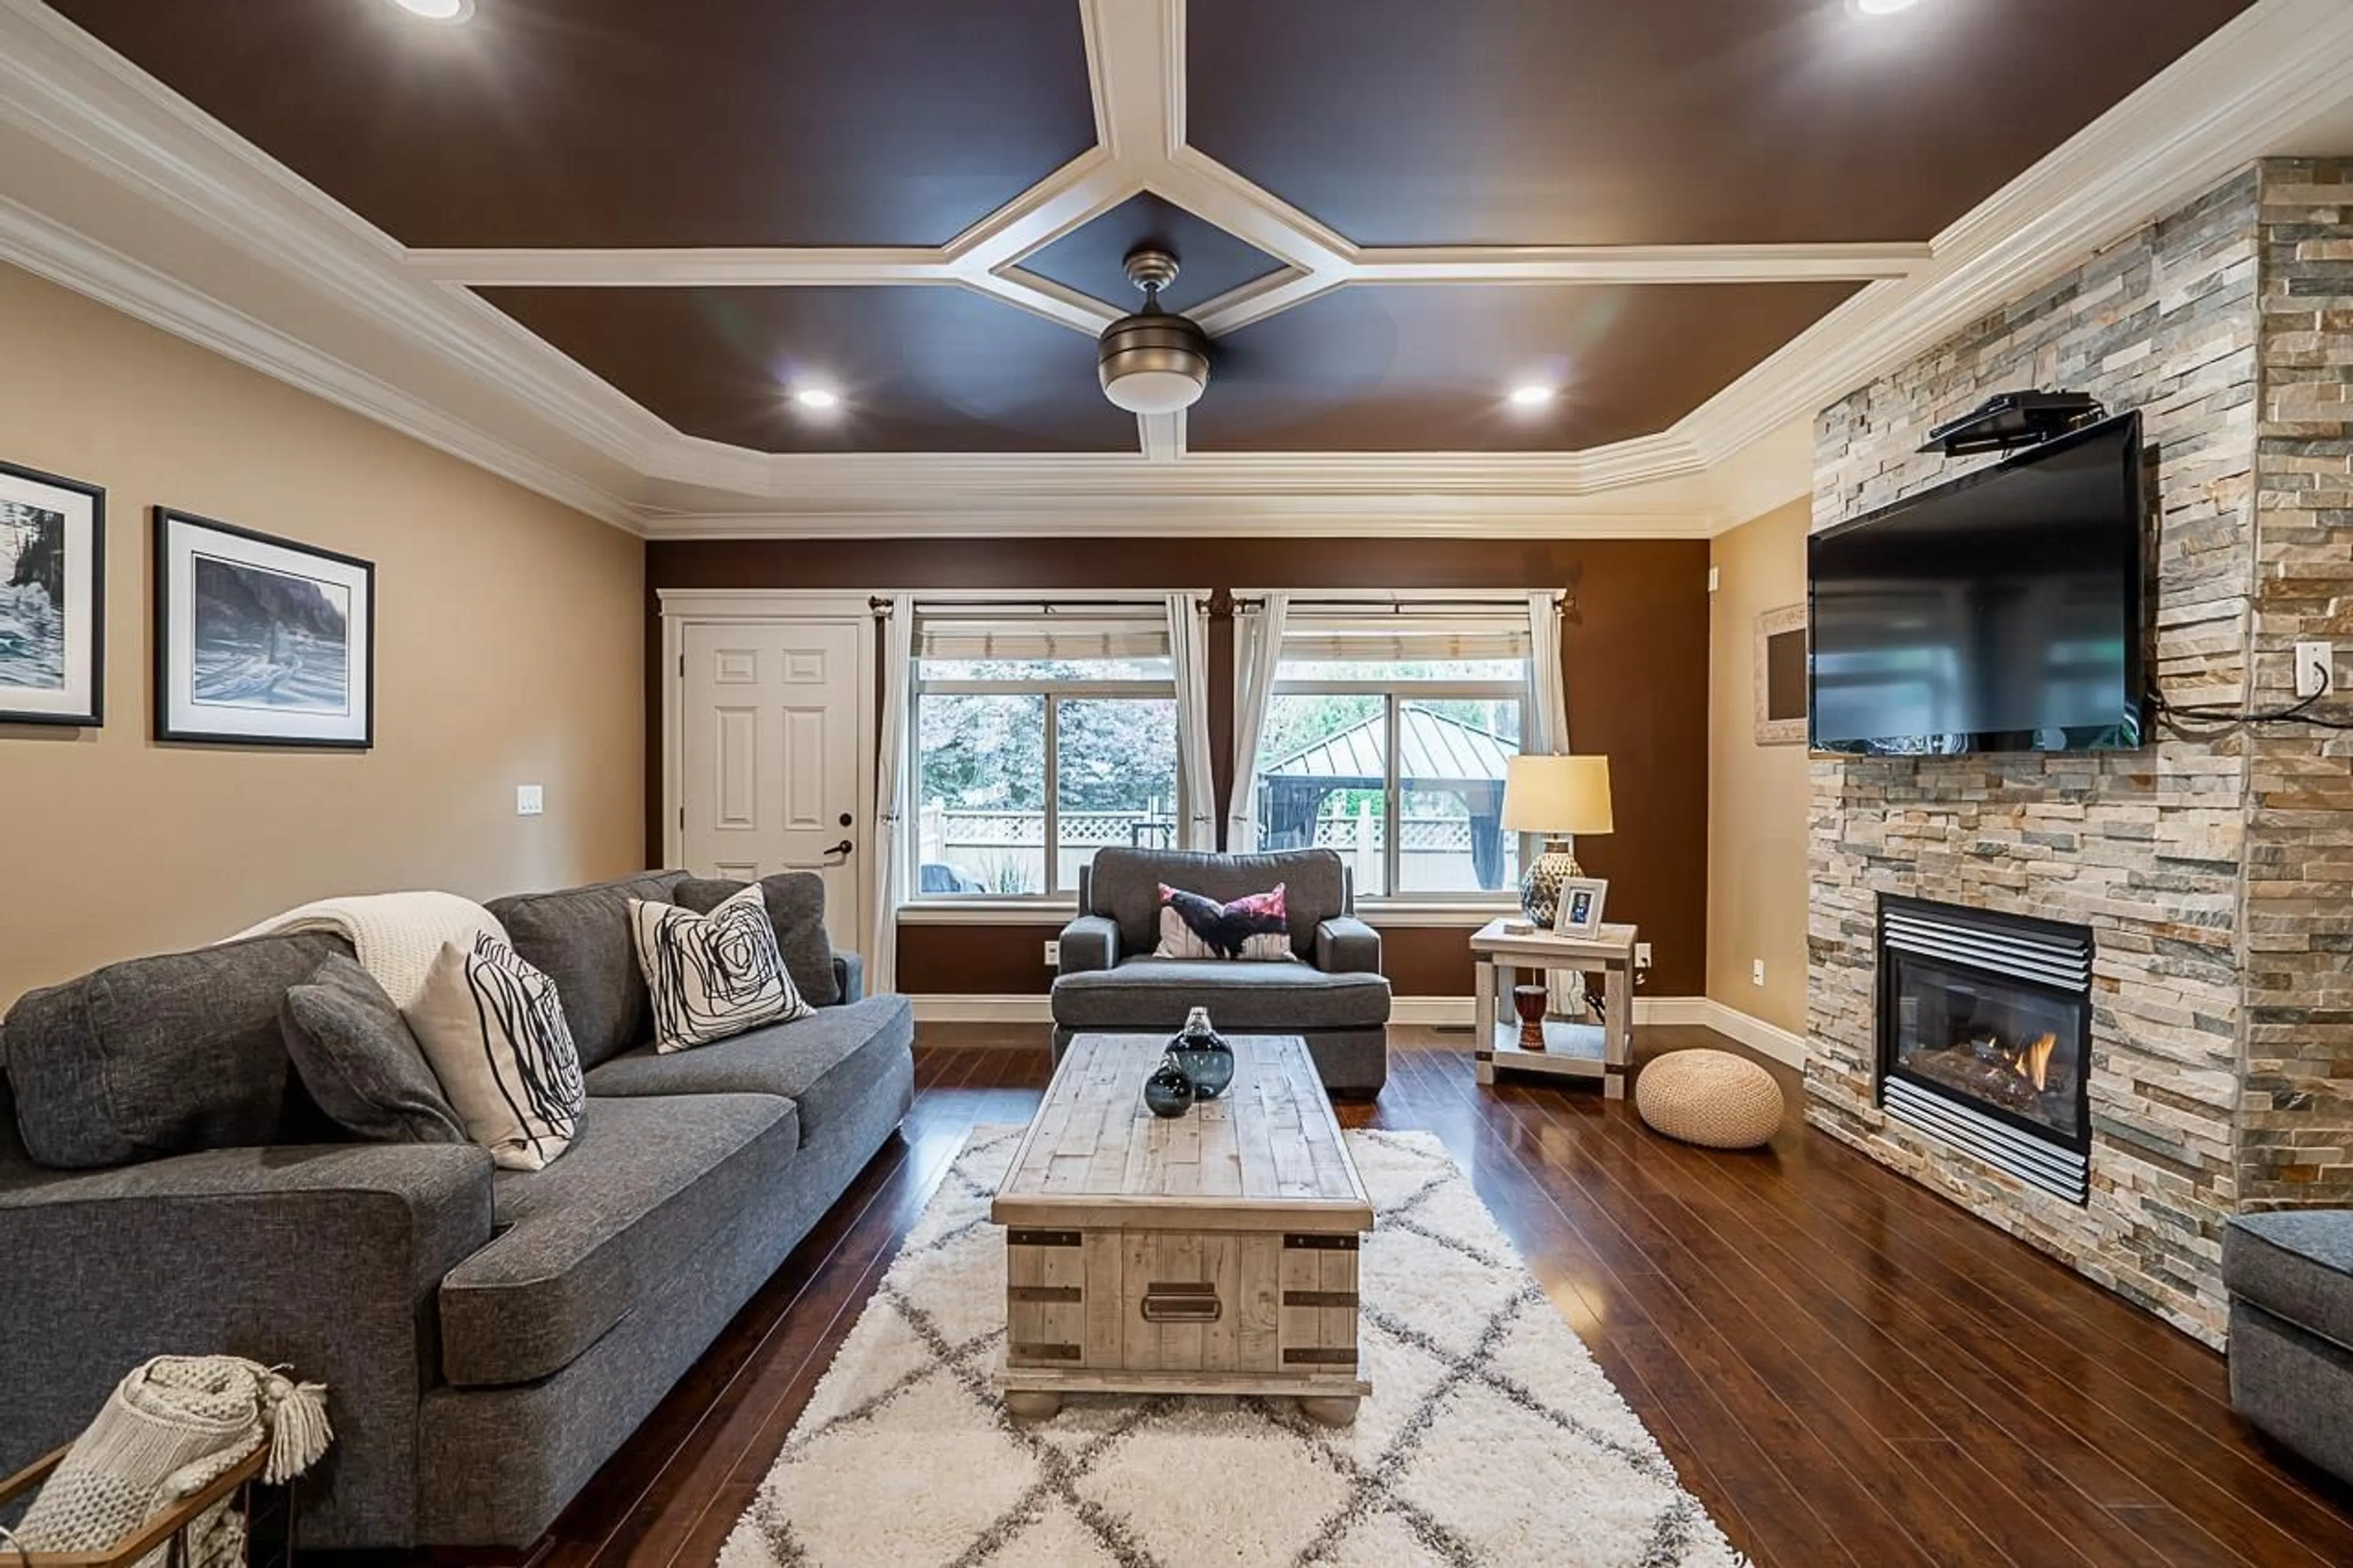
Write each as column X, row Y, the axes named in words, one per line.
column 1641, row 955
column 1053, row 955
column 530, row 800
column 1757, row 972
column 2316, row 668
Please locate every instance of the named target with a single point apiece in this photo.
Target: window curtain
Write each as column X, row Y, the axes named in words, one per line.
column 1189, row 660
column 1257, row 655
column 898, row 633
column 1548, row 736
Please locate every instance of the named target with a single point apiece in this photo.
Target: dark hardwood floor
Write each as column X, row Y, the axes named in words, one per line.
column 1846, row 1368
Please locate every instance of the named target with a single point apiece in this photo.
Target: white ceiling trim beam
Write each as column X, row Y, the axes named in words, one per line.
column 1638, row 263
column 2262, row 76
column 706, row 268
column 1043, row 297
column 1330, row 518
column 1163, row 435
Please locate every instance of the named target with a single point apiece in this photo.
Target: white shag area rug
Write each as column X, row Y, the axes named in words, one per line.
column 1491, row 1437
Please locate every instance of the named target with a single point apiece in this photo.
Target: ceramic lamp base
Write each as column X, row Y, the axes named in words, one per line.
column 1540, row 888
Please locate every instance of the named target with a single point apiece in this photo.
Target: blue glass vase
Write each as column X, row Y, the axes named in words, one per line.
column 1168, row 1091
column 1202, row 1055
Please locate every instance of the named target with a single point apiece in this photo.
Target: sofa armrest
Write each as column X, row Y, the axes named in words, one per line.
column 327, row 1258
column 1347, row 946
column 1089, row 942
column 849, row 974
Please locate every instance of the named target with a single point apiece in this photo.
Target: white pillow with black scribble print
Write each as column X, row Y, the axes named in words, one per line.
column 715, row 974
column 492, row 1029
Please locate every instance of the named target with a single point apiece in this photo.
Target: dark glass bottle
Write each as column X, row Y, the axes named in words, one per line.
column 1168, row 1091
column 1202, row 1055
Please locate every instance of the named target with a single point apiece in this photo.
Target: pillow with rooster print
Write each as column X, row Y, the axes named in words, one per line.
column 1257, row 927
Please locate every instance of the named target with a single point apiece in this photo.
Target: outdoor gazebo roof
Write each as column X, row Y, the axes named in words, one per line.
column 1433, row 749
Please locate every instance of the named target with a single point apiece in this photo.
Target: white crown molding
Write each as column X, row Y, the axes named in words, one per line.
column 534, row 413
column 31, row 241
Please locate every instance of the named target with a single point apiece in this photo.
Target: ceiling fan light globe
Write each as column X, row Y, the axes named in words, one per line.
column 1153, row 363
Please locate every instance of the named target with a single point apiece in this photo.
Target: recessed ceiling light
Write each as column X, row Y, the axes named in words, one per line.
column 1882, row 7
column 1533, row 396
column 438, row 10
column 818, row 397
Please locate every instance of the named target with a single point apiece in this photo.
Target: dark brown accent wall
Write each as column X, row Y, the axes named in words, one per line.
column 1635, row 651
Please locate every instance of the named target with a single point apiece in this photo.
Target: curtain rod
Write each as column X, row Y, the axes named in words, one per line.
column 1401, row 606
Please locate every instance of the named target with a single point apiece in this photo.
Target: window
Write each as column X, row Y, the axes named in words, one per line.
column 1387, row 741
column 1039, row 740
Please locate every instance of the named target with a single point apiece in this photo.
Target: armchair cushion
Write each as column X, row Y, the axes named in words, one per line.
column 1153, row 994
column 1347, row 946
column 1125, row 885
column 1088, row 943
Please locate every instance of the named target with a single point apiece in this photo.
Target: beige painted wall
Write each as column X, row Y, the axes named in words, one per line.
column 1756, row 795
column 508, row 651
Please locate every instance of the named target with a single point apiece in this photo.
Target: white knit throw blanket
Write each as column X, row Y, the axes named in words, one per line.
column 168, row 1430
column 397, row 935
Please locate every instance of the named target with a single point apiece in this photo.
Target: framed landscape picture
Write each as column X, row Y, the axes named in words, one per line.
column 261, row 641
column 52, row 599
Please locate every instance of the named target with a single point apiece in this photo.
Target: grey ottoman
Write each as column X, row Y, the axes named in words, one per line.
column 2290, row 1276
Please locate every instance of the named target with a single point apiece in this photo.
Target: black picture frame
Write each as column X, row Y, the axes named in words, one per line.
column 91, row 714
column 175, row 686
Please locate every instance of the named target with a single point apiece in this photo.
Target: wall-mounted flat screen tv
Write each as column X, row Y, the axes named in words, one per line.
column 2001, row 612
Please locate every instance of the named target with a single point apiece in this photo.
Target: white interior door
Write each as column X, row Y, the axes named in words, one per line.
column 769, row 774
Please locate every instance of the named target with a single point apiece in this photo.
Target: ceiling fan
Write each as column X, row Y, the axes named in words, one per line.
column 1153, row 361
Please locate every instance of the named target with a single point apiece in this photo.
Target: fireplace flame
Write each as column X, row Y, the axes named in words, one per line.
column 2034, row 1061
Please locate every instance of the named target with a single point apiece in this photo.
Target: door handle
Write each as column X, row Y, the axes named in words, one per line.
column 840, row 852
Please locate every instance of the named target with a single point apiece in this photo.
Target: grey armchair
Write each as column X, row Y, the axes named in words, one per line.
column 1331, row 994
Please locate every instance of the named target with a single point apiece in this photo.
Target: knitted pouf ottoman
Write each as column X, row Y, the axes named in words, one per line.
column 1710, row 1098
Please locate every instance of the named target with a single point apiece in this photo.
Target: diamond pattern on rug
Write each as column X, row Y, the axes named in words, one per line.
column 1491, row 1437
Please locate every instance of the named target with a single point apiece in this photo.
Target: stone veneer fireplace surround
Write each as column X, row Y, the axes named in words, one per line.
column 2213, row 867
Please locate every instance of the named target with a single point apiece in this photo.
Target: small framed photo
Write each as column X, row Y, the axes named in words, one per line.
column 261, row 641
column 1579, row 913
column 52, row 599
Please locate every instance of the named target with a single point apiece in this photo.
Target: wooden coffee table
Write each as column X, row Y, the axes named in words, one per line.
column 1209, row 1253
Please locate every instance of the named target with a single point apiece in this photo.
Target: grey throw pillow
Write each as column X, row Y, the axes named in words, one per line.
column 795, row 905
column 360, row 1062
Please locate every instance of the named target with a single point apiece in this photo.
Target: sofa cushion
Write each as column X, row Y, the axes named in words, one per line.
column 359, row 1061
column 1125, row 885
column 579, row 937
column 649, row 1185
column 2296, row 1265
column 1152, row 994
column 828, row 1064
column 795, row 905
column 165, row 1056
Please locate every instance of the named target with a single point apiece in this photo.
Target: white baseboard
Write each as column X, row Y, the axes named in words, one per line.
column 941, row 1007
column 1771, row 1039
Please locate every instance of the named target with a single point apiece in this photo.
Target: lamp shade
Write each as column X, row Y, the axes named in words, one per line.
column 1556, row 795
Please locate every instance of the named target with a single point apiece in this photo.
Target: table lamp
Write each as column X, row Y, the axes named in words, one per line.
column 1556, row 796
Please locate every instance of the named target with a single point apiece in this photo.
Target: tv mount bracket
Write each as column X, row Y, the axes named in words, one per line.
column 2007, row 420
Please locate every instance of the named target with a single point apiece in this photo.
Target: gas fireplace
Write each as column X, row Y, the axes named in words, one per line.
column 1985, row 1028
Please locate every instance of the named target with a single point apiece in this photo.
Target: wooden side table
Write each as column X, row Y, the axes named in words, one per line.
column 1573, row 1050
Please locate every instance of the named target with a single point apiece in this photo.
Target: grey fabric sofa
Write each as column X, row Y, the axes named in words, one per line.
column 489, row 1337
column 2290, row 1277
column 1332, row 994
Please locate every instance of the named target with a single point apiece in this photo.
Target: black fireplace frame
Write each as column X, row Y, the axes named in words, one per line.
column 1889, row 1066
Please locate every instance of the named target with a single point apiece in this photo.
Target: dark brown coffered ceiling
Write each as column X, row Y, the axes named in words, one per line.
column 1657, row 121
column 622, row 125
column 1425, row 367
column 637, row 122
column 1090, row 257
column 918, row 369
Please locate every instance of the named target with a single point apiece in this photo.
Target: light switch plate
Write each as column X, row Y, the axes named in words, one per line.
column 2315, row 668
column 530, row 800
